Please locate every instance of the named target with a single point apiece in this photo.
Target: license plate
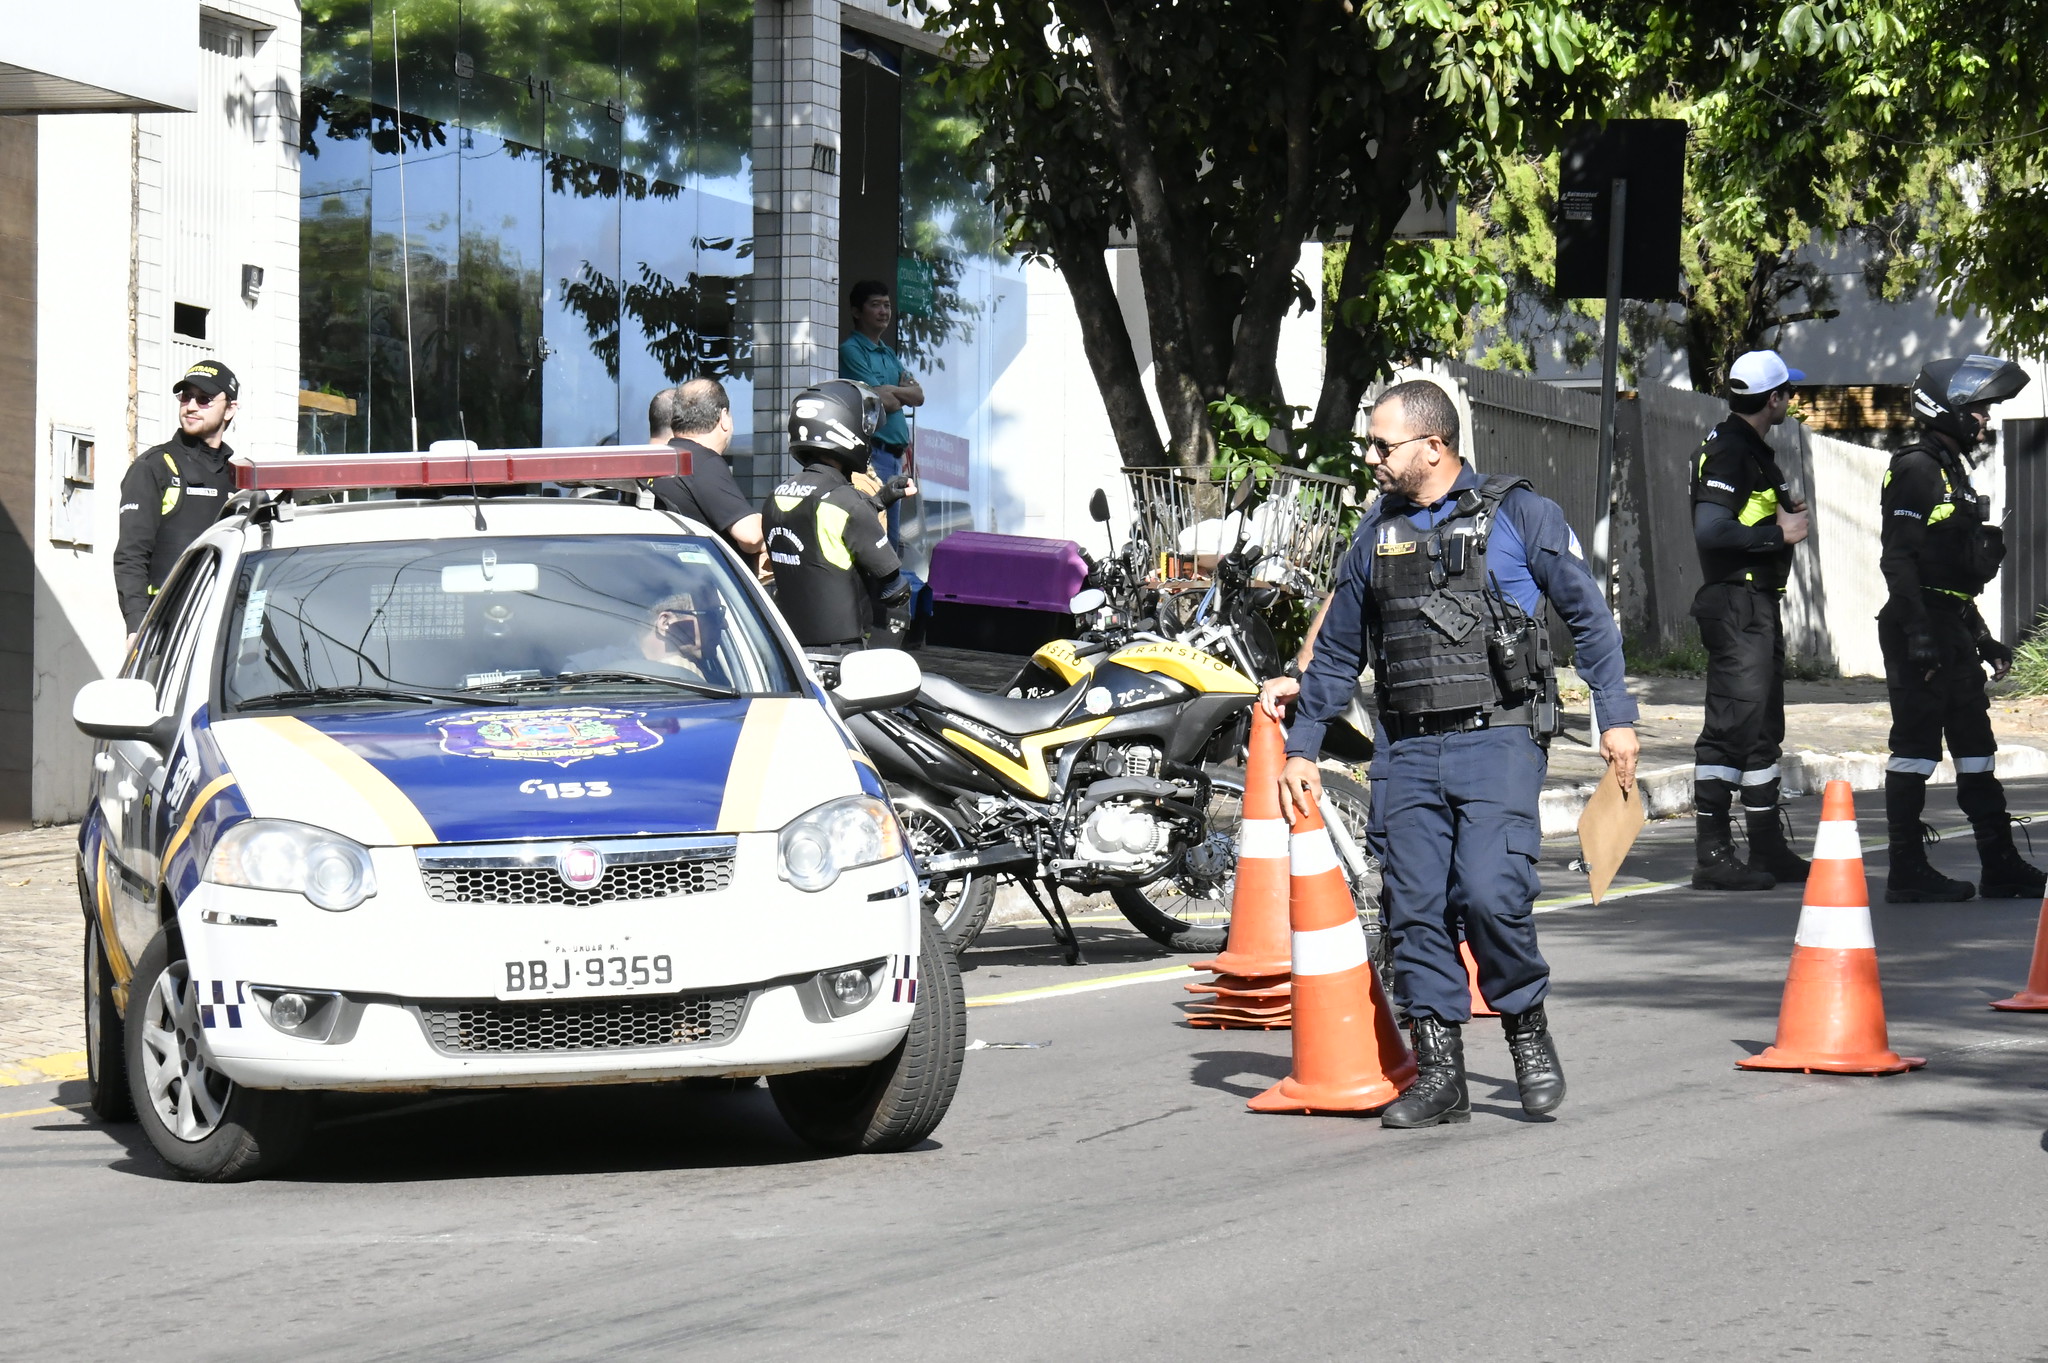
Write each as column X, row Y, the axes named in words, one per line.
column 568, row 975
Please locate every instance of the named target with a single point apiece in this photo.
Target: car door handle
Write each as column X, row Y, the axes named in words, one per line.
column 125, row 791
column 102, row 761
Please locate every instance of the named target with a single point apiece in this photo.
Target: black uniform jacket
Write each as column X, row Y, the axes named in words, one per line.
column 169, row 495
column 827, row 544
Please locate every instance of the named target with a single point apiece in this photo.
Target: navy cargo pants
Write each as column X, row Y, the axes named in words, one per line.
column 1454, row 820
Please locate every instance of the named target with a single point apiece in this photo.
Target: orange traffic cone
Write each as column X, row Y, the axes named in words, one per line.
column 1251, row 988
column 1479, row 1005
column 1832, row 1017
column 1348, row 1054
column 2034, row 998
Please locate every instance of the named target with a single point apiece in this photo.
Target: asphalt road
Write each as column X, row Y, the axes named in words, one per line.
column 1105, row 1194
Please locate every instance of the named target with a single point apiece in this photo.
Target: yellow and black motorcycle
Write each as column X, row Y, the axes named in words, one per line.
column 1126, row 780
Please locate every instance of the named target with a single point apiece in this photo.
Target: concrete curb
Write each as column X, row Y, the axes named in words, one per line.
column 1667, row 791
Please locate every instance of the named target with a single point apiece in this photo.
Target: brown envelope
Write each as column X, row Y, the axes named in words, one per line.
column 1607, row 829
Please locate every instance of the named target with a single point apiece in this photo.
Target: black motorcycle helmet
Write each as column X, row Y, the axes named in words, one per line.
column 836, row 419
column 1947, row 389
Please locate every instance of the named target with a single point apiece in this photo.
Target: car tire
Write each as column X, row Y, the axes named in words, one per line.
column 106, row 1054
column 900, row 1099
column 205, row 1126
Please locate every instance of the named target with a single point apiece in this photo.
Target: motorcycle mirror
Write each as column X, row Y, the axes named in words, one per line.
column 1098, row 507
column 1088, row 601
column 1243, row 492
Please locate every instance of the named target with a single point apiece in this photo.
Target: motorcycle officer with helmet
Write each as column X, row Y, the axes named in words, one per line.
column 837, row 580
column 1938, row 554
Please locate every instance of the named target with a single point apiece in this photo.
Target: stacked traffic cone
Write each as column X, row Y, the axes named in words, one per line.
column 1480, row 1009
column 1251, row 988
column 1832, row 1017
column 1349, row 1056
column 2034, row 998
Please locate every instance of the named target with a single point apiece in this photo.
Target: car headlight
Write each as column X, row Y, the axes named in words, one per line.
column 269, row 854
column 856, row 831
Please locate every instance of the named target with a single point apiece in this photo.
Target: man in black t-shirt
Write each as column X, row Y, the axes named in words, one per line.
column 1745, row 520
column 700, row 417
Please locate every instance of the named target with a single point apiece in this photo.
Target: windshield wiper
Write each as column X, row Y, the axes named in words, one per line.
column 601, row 678
column 315, row 695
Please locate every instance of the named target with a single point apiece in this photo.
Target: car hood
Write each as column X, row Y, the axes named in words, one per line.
column 586, row 769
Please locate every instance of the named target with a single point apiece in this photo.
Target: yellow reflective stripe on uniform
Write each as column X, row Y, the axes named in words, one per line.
column 1960, row 596
column 172, row 492
column 788, row 503
column 1760, row 507
column 1948, row 502
column 832, row 535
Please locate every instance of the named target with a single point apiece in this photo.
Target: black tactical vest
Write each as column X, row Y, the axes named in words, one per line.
column 1964, row 550
column 1446, row 640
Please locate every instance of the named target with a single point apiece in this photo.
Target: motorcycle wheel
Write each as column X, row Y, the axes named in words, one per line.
column 1189, row 913
column 959, row 905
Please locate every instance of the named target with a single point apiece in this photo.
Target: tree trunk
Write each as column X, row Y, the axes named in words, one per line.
column 1107, row 343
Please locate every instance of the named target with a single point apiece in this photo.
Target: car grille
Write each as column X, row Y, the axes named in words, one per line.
column 597, row 1025
column 541, row 885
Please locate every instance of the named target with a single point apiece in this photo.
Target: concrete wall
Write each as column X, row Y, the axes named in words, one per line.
column 136, row 214
column 18, row 308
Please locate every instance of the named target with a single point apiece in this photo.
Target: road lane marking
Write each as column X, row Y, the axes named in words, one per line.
column 1171, row 972
column 1626, row 892
column 43, row 1068
column 37, row 1112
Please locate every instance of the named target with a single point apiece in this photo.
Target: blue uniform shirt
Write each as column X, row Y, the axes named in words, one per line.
column 872, row 363
column 1531, row 555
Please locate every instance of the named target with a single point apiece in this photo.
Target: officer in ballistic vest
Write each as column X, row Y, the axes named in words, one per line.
column 1745, row 520
column 1443, row 592
column 1938, row 554
column 833, row 564
column 173, row 491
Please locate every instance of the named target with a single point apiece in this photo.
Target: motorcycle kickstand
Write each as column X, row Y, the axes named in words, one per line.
column 1056, row 919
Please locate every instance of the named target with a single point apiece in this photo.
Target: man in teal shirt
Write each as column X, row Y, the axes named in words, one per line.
column 865, row 359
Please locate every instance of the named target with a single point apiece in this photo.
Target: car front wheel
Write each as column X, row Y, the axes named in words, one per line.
column 204, row 1125
column 897, row 1101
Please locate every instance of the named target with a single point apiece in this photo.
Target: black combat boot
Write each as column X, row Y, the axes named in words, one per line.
column 1438, row 1093
column 2007, row 875
column 1768, row 850
column 1912, row 879
column 1719, row 867
column 1537, row 1072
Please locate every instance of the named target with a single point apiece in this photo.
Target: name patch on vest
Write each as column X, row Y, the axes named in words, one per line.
column 1388, row 549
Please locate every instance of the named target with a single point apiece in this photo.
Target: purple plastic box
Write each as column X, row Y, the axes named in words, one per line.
column 1012, row 571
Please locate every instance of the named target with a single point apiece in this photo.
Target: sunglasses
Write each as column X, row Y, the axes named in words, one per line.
column 1380, row 447
column 188, row 398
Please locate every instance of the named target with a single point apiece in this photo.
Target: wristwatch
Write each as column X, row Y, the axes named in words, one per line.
column 1292, row 670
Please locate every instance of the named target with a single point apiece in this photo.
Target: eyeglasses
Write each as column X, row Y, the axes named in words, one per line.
column 189, row 398
column 1381, row 448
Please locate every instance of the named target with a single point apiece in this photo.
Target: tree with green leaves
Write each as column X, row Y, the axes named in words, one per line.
column 1219, row 135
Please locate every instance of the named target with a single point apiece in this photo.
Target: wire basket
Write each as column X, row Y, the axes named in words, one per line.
column 1184, row 519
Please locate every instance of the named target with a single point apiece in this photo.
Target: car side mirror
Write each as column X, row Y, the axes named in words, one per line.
column 876, row 679
column 1098, row 507
column 121, row 708
column 1087, row 601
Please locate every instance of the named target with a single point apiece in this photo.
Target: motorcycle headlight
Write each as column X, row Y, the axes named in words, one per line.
column 270, row 854
column 857, row 831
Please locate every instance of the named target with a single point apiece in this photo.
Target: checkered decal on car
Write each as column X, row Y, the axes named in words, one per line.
column 226, row 1005
column 903, row 979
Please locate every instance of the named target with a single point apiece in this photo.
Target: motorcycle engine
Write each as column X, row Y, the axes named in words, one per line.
column 1128, row 834
column 1125, row 835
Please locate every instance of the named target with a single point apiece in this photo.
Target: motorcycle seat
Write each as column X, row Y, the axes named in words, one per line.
column 1004, row 714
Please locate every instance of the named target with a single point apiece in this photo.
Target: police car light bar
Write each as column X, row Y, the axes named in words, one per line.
column 454, row 463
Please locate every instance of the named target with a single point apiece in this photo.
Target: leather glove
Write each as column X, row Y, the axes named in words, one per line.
column 1993, row 652
column 894, row 491
column 1922, row 651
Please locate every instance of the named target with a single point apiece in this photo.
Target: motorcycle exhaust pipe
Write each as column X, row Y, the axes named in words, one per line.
column 993, row 858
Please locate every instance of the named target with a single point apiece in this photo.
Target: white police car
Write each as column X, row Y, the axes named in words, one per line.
column 415, row 794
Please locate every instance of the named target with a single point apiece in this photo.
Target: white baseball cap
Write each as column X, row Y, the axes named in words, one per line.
column 1760, row 371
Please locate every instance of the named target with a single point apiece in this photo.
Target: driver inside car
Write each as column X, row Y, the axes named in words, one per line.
column 676, row 641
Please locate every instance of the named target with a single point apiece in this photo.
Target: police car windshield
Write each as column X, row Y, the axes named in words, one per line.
column 414, row 622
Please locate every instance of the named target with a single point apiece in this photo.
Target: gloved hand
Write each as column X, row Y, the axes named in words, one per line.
column 1997, row 654
column 894, row 491
column 1922, row 651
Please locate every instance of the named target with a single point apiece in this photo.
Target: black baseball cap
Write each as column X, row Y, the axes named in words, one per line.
column 210, row 377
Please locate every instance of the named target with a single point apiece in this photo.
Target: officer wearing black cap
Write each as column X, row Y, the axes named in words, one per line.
column 1938, row 553
column 1745, row 521
column 173, row 491
column 838, row 581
